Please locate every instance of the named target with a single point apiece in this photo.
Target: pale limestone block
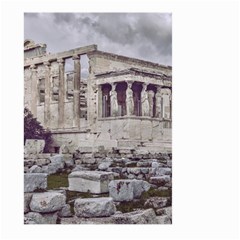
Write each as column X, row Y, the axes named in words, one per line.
column 38, row 218
column 47, row 202
column 160, row 180
column 147, row 216
column 165, row 219
column 127, row 190
column 34, row 181
column 92, row 181
column 94, row 207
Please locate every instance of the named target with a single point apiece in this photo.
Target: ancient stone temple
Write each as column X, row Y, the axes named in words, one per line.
column 123, row 102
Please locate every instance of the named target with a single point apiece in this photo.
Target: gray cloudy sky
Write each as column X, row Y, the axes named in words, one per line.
column 145, row 36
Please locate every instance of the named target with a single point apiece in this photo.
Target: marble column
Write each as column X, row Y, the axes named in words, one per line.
column 129, row 99
column 61, row 96
column 76, row 91
column 47, row 95
column 34, row 90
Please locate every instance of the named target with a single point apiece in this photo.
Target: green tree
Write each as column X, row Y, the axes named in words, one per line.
column 34, row 130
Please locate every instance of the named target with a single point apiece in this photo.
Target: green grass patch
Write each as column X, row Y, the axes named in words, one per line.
column 130, row 206
column 156, row 193
column 57, row 180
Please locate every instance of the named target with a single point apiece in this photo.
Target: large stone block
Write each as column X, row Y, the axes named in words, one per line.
column 47, row 202
column 35, row 181
column 94, row 207
column 147, row 216
column 79, row 220
column 165, row 219
column 65, row 211
column 57, row 160
column 165, row 211
column 34, row 146
column 27, row 200
column 163, row 171
column 160, row 180
column 127, row 190
column 57, row 164
column 38, row 218
column 156, row 202
column 92, row 181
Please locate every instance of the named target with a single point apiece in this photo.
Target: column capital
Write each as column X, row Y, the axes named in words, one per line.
column 76, row 57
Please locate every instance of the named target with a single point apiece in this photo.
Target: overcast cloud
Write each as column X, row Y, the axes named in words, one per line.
column 146, row 36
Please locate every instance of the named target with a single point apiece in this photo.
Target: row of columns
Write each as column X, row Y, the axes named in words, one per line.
column 147, row 101
column 61, row 92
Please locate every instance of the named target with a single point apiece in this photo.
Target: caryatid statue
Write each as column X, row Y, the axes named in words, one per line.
column 114, row 102
column 166, row 98
column 144, row 101
column 129, row 100
column 151, row 103
column 158, row 99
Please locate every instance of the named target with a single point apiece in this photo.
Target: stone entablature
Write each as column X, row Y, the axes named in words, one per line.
column 129, row 61
column 63, row 55
column 134, row 75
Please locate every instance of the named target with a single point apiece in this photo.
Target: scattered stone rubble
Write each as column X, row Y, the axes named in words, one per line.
column 109, row 180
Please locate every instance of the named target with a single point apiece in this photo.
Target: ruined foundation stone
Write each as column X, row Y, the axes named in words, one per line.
column 127, row 190
column 89, row 181
column 47, row 202
column 38, row 218
column 27, row 200
column 160, row 180
column 34, row 181
column 94, row 207
column 147, row 216
column 165, row 219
